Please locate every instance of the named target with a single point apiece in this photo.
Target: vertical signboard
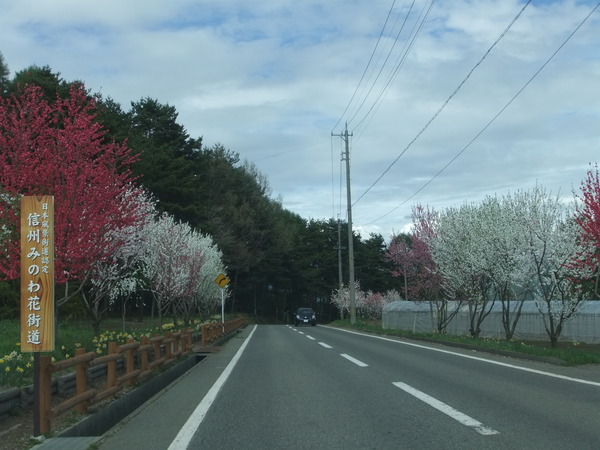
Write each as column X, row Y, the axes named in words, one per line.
column 37, row 273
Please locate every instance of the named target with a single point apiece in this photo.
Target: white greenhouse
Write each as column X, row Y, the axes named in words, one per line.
column 418, row 318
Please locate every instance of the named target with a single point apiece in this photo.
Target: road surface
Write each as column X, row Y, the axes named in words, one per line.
column 278, row 386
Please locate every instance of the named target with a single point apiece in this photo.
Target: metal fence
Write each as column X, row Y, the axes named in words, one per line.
column 418, row 317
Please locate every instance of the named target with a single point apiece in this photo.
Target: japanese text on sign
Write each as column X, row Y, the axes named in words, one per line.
column 37, row 274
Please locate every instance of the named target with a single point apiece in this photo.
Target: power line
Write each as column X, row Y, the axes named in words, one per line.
column 400, row 62
column 367, row 66
column 493, row 118
column 383, row 65
column 285, row 152
column 462, row 83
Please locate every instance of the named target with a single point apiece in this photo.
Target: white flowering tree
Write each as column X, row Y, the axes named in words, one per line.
column 180, row 268
column 458, row 250
column 203, row 264
column 118, row 276
column 165, row 274
column 507, row 259
column 341, row 298
column 554, row 242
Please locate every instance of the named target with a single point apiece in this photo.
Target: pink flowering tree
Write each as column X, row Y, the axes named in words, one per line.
column 57, row 148
column 414, row 262
column 587, row 217
column 374, row 302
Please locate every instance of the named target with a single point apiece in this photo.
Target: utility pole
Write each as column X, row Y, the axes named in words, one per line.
column 346, row 156
column 339, row 249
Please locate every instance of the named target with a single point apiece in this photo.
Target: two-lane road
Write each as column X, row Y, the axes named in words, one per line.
column 320, row 387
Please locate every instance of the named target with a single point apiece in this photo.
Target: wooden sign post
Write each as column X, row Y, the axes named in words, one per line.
column 37, row 286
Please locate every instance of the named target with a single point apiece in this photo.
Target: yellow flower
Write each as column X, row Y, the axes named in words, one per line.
column 1, row 361
column 20, row 369
column 7, row 369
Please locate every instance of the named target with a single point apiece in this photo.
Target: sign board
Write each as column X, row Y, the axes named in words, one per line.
column 222, row 280
column 37, row 273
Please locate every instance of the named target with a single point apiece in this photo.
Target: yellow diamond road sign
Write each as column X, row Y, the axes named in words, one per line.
column 222, row 280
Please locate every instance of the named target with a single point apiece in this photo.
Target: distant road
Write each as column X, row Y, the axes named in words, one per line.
column 325, row 388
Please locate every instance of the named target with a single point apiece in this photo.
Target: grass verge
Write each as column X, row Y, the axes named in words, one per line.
column 572, row 353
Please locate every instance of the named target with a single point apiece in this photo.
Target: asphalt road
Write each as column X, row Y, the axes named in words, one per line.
column 278, row 386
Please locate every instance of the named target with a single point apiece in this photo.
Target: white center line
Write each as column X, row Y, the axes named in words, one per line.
column 186, row 433
column 354, row 360
column 325, row 345
column 311, row 338
column 447, row 409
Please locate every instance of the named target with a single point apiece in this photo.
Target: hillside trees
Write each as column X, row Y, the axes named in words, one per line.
column 372, row 267
column 57, row 148
column 4, row 75
column 52, row 85
column 168, row 163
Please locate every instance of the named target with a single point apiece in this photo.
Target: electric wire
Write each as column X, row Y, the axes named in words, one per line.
column 294, row 150
column 457, row 155
column 399, row 63
column 367, row 66
column 384, row 63
column 458, row 88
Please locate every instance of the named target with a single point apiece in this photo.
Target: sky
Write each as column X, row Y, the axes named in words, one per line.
column 446, row 102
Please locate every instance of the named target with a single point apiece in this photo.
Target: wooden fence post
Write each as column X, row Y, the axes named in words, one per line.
column 144, row 356
column 81, row 385
column 130, row 362
column 168, row 347
column 111, row 366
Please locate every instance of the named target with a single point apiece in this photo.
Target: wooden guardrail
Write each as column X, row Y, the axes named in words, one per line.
column 139, row 359
column 136, row 356
column 213, row 331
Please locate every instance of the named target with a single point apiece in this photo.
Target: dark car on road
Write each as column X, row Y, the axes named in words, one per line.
column 305, row 315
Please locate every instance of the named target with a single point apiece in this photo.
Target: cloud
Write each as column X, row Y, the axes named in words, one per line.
column 270, row 80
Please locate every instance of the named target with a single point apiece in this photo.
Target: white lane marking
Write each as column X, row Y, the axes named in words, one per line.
column 354, row 360
column 311, row 338
column 300, row 332
column 489, row 361
column 325, row 345
column 186, row 433
column 447, row 409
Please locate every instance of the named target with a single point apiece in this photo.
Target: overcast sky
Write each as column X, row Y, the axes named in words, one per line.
column 273, row 80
